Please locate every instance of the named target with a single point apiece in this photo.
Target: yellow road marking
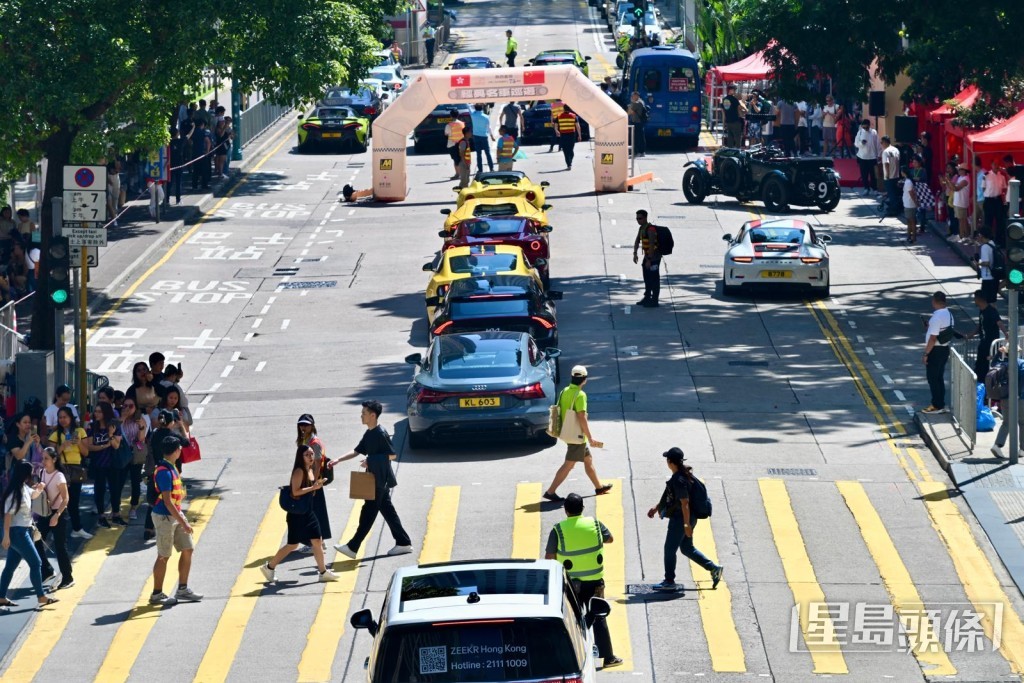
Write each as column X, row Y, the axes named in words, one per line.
column 50, row 624
column 609, row 511
column 898, row 583
column 526, row 534
column 227, row 637
column 131, row 635
column 184, row 238
column 822, row 644
column 608, row 68
column 329, row 624
column 716, row 608
column 440, row 535
column 976, row 574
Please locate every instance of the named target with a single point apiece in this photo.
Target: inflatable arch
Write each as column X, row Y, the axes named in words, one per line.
column 608, row 122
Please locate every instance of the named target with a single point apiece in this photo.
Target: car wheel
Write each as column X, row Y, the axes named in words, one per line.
column 418, row 440
column 827, row 292
column 729, row 290
column 729, row 175
column 361, row 149
column 691, row 142
column 694, row 186
column 775, row 194
column 831, row 200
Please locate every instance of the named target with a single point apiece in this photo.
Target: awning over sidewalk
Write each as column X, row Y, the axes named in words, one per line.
column 1005, row 137
column 965, row 98
column 752, row 68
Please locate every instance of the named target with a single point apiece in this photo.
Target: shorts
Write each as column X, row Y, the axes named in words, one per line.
column 576, row 452
column 170, row 534
column 910, row 212
column 960, row 213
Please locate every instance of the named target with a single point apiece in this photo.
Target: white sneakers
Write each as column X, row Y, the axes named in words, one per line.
column 81, row 533
column 345, row 550
column 998, row 452
column 269, row 574
column 400, row 550
column 327, row 576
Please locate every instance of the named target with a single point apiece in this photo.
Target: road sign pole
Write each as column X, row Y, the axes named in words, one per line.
column 1013, row 197
column 83, row 322
column 1011, row 413
column 77, row 334
column 57, row 205
column 236, row 119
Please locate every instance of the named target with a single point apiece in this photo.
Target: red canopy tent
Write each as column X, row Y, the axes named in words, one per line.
column 752, row 68
column 1006, row 137
column 965, row 98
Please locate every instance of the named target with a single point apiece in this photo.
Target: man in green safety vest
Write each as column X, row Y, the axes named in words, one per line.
column 577, row 542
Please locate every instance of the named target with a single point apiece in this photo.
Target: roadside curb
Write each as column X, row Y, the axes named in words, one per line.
column 191, row 214
column 937, row 430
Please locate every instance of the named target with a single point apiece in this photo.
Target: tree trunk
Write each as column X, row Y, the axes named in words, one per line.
column 57, row 151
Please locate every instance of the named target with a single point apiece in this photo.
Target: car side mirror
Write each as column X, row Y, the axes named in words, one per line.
column 552, row 353
column 554, row 296
column 433, row 300
column 727, row 237
column 545, row 207
column 540, row 262
column 456, row 189
column 545, row 228
column 413, row 359
column 383, row 95
column 827, row 239
column 301, row 116
column 587, row 58
column 364, row 619
column 428, row 267
column 597, row 609
column 442, row 233
column 545, row 183
column 446, row 212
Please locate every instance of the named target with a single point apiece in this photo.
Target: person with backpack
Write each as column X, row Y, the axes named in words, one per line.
column 1004, row 427
column 991, row 266
column 684, row 501
column 638, row 114
column 656, row 241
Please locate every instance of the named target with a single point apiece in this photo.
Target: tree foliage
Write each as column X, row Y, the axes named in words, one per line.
column 717, row 28
column 81, row 75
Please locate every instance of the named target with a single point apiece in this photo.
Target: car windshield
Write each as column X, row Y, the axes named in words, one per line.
column 495, row 210
column 479, row 63
column 490, row 581
column 490, row 307
column 482, row 264
column 776, row 236
column 346, row 94
column 460, row 357
column 333, row 113
column 505, row 285
column 554, row 59
column 500, row 178
column 480, row 650
column 384, row 60
column 495, row 226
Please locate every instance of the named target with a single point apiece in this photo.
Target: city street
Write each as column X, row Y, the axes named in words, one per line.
column 798, row 415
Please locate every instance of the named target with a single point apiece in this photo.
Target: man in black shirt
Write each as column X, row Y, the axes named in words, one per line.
column 376, row 446
column 989, row 327
column 733, row 120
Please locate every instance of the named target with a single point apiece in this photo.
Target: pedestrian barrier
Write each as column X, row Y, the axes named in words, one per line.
column 257, row 119
column 963, row 398
column 11, row 342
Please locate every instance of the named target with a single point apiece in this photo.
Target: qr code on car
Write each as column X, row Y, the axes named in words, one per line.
column 433, row 660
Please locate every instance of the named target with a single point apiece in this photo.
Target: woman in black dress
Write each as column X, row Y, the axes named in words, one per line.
column 303, row 527
column 306, row 428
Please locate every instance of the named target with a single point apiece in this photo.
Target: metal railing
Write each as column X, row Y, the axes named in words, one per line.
column 11, row 341
column 258, row 118
column 93, row 383
column 963, row 398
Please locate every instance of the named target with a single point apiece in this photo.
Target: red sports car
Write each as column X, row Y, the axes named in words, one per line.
column 525, row 233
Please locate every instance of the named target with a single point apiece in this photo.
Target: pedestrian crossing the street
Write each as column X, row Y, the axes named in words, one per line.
column 830, row 629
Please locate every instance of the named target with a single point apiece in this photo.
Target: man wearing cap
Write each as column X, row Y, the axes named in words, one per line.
column 573, row 398
column 172, row 529
column 733, row 120
column 675, row 504
column 577, row 543
column 167, row 428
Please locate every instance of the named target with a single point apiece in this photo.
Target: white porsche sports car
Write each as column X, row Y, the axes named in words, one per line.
column 777, row 253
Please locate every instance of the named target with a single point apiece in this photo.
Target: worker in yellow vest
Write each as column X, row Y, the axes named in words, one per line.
column 455, row 131
column 568, row 127
column 507, row 150
column 577, row 542
column 465, row 151
column 557, row 107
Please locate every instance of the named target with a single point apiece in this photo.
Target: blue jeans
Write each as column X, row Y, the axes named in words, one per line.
column 481, row 147
column 676, row 539
column 22, row 548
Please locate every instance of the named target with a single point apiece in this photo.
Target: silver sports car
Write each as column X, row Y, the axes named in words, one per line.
column 485, row 385
column 777, row 253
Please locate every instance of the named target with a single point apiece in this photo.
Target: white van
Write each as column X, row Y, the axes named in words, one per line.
column 501, row 621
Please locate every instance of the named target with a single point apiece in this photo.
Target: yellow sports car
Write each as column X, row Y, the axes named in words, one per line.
column 476, row 261
column 495, row 206
column 503, row 184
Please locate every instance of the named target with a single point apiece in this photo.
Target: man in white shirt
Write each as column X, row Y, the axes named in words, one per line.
column 868, row 150
column 962, row 200
column 986, row 259
column 891, row 176
column 936, row 353
column 994, row 189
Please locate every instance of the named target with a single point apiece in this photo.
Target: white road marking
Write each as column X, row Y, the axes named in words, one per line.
column 627, row 309
column 351, row 211
column 259, row 366
column 227, row 370
column 613, row 221
column 899, row 395
column 337, row 220
column 211, row 390
column 257, row 322
column 271, row 300
column 888, row 379
column 265, row 310
column 209, row 397
column 304, row 292
column 611, row 201
column 860, row 339
column 197, row 413
column 303, row 252
column 878, row 365
column 909, row 408
column 285, row 323
column 249, row 336
column 235, row 356
column 870, row 350
column 852, row 324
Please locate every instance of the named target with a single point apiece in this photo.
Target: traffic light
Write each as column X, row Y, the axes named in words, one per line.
column 58, row 274
column 638, row 12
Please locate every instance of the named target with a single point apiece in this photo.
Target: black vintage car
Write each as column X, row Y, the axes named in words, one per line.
column 764, row 173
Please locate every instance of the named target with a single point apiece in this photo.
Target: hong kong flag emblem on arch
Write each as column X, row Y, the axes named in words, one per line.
column 533, row 77
column 460, row 81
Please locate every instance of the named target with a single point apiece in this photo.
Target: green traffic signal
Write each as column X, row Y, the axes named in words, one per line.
column 638, row 12
column 59, row 296
column 1016, row 277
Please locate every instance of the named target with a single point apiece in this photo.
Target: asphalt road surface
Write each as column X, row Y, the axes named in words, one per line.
column 796, row 413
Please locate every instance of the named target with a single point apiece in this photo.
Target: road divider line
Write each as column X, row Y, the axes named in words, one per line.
column 526, row 538
column 50, row 624
column 976, row 574
column 440, row 535
column 184, row 238
column 331, row 617
column 715, row 605
column 227, row 637
column 925, row 643
column 609, row 511
column 131, row 635
column 822, row 644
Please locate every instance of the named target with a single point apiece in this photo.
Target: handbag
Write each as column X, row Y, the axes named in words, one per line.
column 292, row 505
column 570, row 432
column 554, row 421
column 41, row 503
column 362, row 486
column 75, row 474
column 191, row 453
column 139, row 453
column 946, row 334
